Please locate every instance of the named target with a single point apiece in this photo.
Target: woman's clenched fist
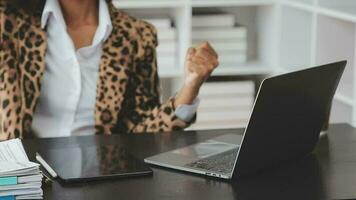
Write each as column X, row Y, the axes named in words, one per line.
column 200, row 63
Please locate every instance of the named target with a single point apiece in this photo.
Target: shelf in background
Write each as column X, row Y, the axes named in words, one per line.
column 344, row 92
column 126, row 4
column 343, row 13
column 344, row 99
column 299, row 5
column 346, row 13
column 295, row 38
column 307, row 2
column 312, row 32
column 194, row 3
column 280, row 70
column 250, row 68
column 169, row 72
column 227, row 3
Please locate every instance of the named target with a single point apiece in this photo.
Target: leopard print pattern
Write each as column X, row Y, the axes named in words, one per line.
column 127, row 89
column 22, row 51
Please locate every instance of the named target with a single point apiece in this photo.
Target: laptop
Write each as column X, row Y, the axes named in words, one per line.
column 287, row 118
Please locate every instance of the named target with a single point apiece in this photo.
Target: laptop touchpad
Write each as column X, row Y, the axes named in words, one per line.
column 205, row 149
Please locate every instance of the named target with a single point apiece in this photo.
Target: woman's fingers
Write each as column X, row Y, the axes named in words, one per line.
column 200, row 63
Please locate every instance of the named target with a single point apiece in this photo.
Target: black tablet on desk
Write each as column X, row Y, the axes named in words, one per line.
column 76, row 164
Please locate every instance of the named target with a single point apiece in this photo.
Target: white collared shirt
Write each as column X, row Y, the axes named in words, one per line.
column 67, row 101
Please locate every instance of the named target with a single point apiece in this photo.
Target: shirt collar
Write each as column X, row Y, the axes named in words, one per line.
column 52, row 7
column 105, row 25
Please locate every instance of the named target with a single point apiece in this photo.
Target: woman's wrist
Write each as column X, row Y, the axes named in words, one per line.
column 186, row 95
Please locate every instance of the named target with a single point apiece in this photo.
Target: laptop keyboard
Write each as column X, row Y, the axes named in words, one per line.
column 222, row 163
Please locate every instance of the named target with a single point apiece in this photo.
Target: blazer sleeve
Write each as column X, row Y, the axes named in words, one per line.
column 149, row 114
column 3, row 135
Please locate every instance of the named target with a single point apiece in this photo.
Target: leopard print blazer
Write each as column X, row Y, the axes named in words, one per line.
column 127, row 98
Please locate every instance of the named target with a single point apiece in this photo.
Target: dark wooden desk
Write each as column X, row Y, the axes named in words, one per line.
column 329, row 173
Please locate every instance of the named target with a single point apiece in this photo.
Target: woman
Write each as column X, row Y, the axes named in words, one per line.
column 74, row 67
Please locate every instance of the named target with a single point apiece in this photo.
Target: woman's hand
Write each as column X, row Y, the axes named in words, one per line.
column 200, row 63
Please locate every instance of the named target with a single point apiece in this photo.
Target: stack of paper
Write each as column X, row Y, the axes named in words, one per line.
column 225, row 104
column 229, row 40
column 167, row 40
column 19, row 177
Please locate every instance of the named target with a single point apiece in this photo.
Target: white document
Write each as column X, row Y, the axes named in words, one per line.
column 13, row 158
column 35, row 192
column 14, row 162
column 17, row 168
column 30, row 178
column 23, row 172
column 12, row 150
column 23, row 197
column 33, row 185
